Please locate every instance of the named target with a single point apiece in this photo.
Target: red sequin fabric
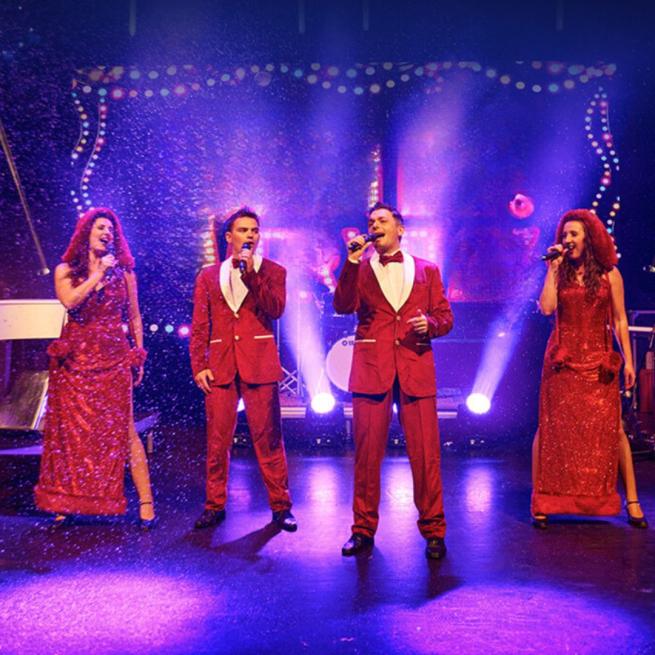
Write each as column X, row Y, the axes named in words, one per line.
column 579, row 410
column 86, row 435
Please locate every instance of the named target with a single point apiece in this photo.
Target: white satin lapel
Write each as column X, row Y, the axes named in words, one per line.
column 409, row 272
column 226, row 269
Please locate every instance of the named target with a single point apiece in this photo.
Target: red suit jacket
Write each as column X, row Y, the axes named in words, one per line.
column 242, row 341
column 385, row 344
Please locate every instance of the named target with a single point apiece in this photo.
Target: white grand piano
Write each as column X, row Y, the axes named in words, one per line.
column 22, row 404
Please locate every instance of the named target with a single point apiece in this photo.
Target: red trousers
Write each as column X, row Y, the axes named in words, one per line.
column 262, row 404
column 418, row 418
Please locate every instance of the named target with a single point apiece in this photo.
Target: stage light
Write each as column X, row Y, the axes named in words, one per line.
column 325, row 427
column 183, row 331
column 323, row 403
column 478, row 403
column 169, row 329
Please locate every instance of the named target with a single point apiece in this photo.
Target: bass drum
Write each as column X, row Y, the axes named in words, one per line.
column 339, row 361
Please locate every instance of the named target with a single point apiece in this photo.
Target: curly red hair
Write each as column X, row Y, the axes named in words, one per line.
column 597, row 238
column 77, row 253
column 599, row 254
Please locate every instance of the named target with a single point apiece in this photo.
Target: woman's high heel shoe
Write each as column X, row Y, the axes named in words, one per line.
column 636, row 522
column 147, row 524
column 60, row 521
column 540, row 521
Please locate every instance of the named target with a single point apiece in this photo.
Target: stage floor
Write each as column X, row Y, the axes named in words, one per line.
column 582, row 586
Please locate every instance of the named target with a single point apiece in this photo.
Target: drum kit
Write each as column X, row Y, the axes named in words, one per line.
column 338, row 338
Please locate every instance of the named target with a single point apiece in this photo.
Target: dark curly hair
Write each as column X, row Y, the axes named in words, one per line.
column 599, row 255
column 77, row 253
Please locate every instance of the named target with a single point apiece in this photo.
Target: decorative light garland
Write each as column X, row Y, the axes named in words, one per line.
column 360, row 78
column 119, row 83
column 604, row 149
column 81, row 197
column 375, row 191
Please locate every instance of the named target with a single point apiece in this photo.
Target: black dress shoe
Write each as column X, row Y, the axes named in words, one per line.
column 357, row 544
column 435, row 548
column 209, row 518
column 285, row 520
column 639, row 522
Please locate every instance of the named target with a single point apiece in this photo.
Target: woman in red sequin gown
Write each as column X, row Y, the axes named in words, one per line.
column 580, row 445
column 89, row 430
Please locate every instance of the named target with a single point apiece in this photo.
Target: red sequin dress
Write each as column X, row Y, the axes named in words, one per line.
column 86, row 438
column 579, row 409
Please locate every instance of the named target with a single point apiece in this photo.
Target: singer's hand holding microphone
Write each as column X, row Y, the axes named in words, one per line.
column 108, row 262
column 360, row 243
column 556, row 253
column 245, row 258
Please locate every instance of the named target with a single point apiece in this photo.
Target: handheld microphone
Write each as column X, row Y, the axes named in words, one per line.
column 242, row 265
column 354, row 247
column 111, row 250
column 554, row 254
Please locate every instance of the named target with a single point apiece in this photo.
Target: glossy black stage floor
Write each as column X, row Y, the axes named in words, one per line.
column 582, row 586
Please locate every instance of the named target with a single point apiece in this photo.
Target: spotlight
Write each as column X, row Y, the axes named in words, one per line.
column 478, row 403
column 183, row 331
column 323, row 403
column 325, row 423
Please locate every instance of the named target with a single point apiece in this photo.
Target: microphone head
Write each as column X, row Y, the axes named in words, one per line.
column 246, row 246
column 374, row 236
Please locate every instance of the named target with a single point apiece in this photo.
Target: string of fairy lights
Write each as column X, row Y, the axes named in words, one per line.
column 90, row 147
column 119, row 83
column 597, row 115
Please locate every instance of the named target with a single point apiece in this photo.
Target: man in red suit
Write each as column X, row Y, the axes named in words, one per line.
column 234, row 355
column 401, row 306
